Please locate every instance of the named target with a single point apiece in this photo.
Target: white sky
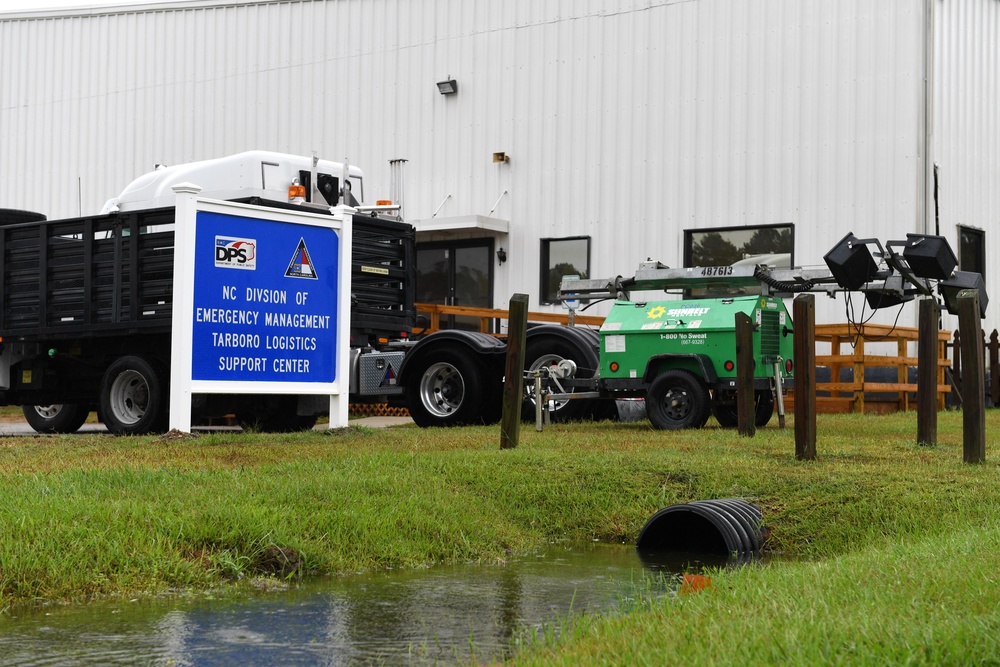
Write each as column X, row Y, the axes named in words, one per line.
column 27, row 5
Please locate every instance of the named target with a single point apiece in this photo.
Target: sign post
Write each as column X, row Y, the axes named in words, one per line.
column 261, row 303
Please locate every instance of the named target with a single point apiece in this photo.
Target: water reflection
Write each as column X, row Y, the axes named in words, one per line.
column 429, row 616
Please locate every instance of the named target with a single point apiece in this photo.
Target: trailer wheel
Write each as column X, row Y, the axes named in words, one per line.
column 57, row 418
column 724, row 408
column 548, row 351
column 677, row 399
column 447, row 389
column 134, row 397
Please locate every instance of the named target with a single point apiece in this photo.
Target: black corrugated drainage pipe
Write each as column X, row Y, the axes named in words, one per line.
column 724, row 531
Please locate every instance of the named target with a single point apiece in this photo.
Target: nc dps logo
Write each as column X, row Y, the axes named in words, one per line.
column 234, row 253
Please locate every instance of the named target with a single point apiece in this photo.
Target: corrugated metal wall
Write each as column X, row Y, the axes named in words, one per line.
column 967, row 117
column 626, row 120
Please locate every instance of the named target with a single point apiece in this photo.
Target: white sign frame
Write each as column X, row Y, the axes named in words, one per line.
column 182, row 386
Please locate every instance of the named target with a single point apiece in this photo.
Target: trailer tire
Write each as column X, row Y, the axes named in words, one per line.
column 678, row 399
column 56, row 418
column 447, row 388
column 724, row 408
column 134, row 397
column 12, row 216
column 549, row 351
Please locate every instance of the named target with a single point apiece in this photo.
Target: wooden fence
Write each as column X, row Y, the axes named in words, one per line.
column 490, row 319
column 850, row 352
column 991, row 357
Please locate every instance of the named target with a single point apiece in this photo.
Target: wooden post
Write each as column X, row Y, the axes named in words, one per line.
column 973, row 386
column 994, row 368
column 927, row 373
column 746, row 421
column 956, row 367
column 804, row 318
column 513, row 386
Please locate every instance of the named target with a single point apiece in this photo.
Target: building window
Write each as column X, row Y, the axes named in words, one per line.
column 569, row 256
column 972, row 250
column 728, row 246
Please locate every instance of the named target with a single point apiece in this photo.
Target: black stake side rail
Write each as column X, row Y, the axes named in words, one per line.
column 87, row 276
column 113, row 275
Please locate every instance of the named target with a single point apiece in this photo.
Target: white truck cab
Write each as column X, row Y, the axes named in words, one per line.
column 261, row 174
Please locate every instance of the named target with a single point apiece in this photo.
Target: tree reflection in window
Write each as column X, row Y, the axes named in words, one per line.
column 568, row 256
column 726, row 246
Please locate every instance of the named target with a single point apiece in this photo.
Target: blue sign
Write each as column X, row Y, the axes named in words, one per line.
column 265, row 300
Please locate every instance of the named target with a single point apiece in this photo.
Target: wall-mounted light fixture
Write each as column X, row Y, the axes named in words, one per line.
column 501, row 157
column 502, row 255
column 448, row 87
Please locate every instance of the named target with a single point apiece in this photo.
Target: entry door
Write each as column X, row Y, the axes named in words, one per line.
column 456, row 273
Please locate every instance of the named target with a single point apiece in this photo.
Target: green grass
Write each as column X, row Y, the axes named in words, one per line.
column 899, row 540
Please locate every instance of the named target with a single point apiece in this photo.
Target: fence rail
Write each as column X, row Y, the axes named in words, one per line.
column 851, row 350
column 991, row 349
column 491, row 320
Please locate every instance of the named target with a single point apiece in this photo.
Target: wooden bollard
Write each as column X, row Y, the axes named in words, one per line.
column 804, row 344
column 994, row 347
column 927, row 372
column 513, row 386
column 973, row 383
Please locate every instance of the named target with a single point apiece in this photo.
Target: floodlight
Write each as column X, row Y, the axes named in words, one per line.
column 447, row 87
column 851, row 262
column 929, row 256
column 963, row 280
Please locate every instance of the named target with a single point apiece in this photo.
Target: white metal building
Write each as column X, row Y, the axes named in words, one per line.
column 589, row 133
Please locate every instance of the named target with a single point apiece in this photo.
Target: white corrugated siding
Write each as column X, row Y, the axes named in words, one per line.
column 627, row 120
column 967, row 120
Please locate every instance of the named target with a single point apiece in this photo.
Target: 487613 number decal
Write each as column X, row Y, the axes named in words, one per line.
column 717, row 271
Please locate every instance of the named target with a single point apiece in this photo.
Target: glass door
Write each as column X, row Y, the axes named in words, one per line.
column 456, row 273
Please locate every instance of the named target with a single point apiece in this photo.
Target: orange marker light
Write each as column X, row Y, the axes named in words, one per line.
column 296, row 191
column 383, row 202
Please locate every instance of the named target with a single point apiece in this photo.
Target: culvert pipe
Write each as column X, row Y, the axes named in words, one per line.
column 725, row 530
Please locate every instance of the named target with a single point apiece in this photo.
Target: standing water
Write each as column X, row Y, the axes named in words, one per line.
column 427, row 616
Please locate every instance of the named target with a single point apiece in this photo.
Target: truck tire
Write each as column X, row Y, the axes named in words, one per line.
column 549, row 351
column 447, row 388
column 724, row 408
column 134, row 397
column 11, row 216
column 57, row 418
column 274, row 414
column 677, row 399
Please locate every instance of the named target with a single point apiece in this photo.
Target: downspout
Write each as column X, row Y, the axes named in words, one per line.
column 926, row 213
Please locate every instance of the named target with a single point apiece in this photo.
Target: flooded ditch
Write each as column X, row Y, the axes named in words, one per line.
column 435, row 615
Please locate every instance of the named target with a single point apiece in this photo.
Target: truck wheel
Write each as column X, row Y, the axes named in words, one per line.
column 134, row 397
column 549, row 351
column 677, row 399
column 724, row 408
column 448, row 389
column 57, row 418
column 274, row 414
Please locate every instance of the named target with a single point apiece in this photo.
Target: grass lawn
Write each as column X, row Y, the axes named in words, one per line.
column 896, row 544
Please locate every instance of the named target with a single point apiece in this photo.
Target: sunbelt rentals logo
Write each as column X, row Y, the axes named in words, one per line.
column 234, row 253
